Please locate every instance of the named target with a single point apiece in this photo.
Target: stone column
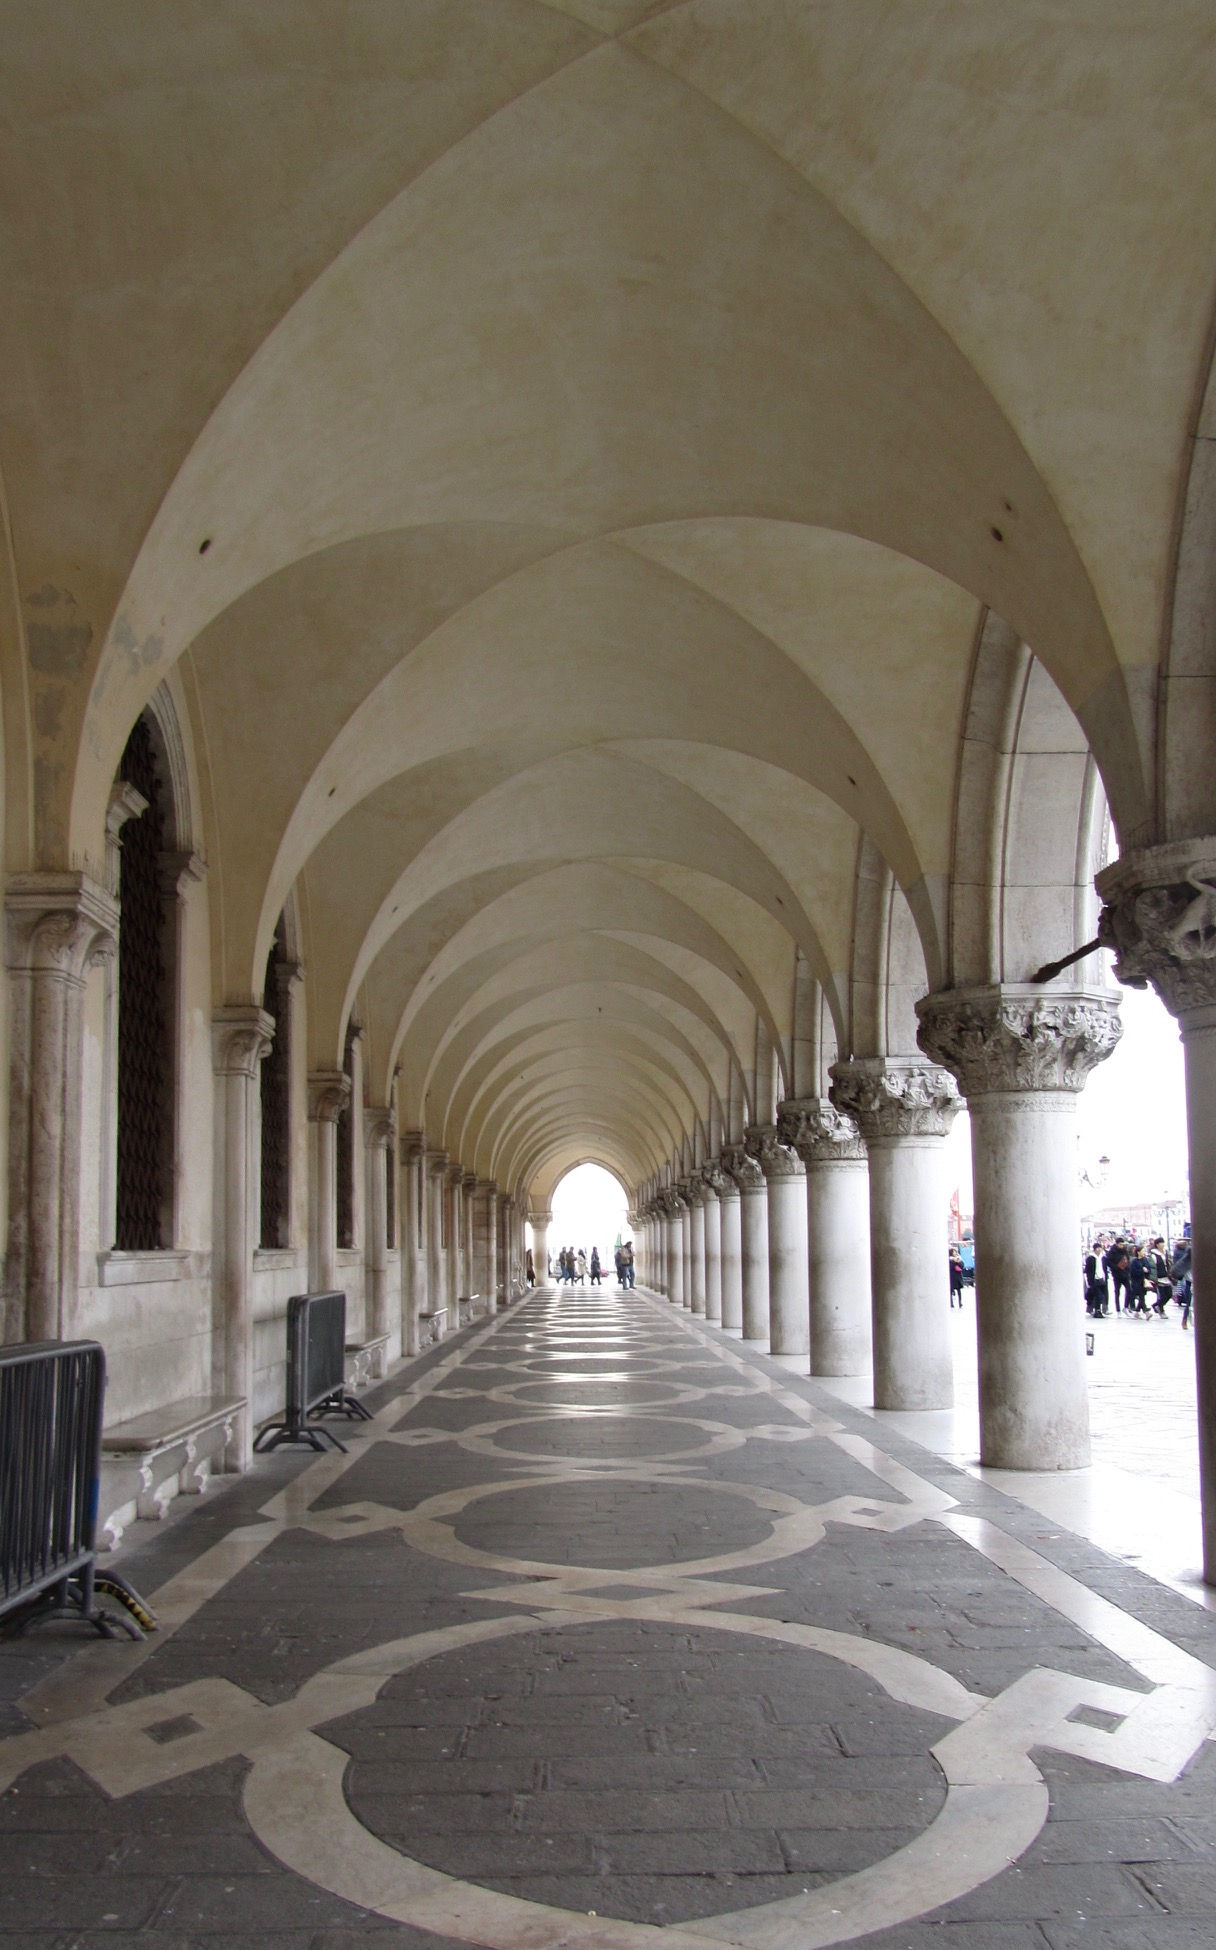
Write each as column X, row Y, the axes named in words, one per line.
column 838, row 1232
column 673, row 1210
column 721, row 1182
column 712, row 1176
column 1021, row 1055
column 1160, row 920
column 58, row 926
column 685, row 1211
column 378, row 1138
column 240, row 1038
column 789, row 1305
column 468, row 1191
column 436, row 1257
column 695, row 1196
column 540, row 1218
column 904, row 1108
column 485, row 1243
column 411, row 1209
column 454, row 1275
column 328, row 1094
column 753, row 1241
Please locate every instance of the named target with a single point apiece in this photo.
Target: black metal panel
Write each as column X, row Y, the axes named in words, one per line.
column 51, row 1396
column 276, row 1102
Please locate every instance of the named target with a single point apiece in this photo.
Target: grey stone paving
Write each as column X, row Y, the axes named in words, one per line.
column 646, row 1768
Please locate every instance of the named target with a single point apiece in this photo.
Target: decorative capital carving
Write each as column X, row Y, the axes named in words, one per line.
column 694, row 1190
column 1159, row 919
column 540, row 1215
column 1018, row 1036
column 776, row 1159
column 241, row 1035
column 437, row 1164
column 125, row 802
column 378, row 1127
column 177, row 872
column 743, row 1168
column 820, row 1133
column 670, row 1203
column 411, row 1147
column 719, row 1182
column 328, row 1096
column 894, row 1097
column 58, row 924
column 456, row 1176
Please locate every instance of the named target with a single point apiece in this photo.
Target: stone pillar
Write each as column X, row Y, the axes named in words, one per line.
column 411, row 1226
column 378, row 1138
column 753, row 1242
column 838, row 1232
column 903, row 1109
column 1160, row 920
column 541, row 1218
column 685, row 1211
column 1021, row 1055
column 673, row 1209
column 695, row 1195
column 486, row 1244
column 712, row 1177
column 789, row 1306
column 468, row 1191
column 58, row 926
column 454, row 1274
column 328, row 1094
column 436, row 1258
column 732, row 1245
column 240, row 1038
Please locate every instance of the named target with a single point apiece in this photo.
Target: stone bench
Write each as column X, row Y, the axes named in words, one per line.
column 166, row 1452
column 432, row 1326
column 366, row 1361
column 469, row 1308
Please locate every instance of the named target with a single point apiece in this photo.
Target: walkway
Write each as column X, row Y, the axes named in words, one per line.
column 608, row 1622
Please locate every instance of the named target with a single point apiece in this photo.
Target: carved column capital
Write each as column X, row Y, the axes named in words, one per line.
column 743, row 1168
column 456, row 1176
column 177, row 872
column 328, row 1096
column 1019, row 1036
column 718, row 1180
column 895, row 1097
column 671, row 1203
column 1159, row 919
column 125, row 802
column 241, row 1035
column 775, row 1158
column 378, row 1127
column 694, row 1190
column 437, row 1164
column 58, row 924
column 819, row 1132
column 411, row 1147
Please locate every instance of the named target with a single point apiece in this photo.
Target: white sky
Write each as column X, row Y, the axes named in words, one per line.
column 589, row 1209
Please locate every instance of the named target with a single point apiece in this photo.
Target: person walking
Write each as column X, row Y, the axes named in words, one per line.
column 580, row 1267
column 957, row 1277
column 596, row 1269
column 627, row 1256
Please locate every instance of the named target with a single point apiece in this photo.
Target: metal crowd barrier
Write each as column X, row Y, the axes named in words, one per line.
column 316, row 1374
column 52, row 1395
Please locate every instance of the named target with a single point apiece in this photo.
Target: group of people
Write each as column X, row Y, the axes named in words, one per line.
column 574, row 1268
column 1134, row 1271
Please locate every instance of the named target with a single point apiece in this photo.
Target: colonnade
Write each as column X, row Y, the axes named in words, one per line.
column 824, row 1236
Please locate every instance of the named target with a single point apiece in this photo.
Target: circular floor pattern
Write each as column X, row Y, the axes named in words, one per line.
column 597, row 1393
column 648, row 1774
column 602, row 1437
column 607, row 1524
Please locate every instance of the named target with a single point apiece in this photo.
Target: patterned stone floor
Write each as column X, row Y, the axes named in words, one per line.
column 609, row 1627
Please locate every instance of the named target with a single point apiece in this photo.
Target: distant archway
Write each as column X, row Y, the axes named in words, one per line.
column 590, row 1209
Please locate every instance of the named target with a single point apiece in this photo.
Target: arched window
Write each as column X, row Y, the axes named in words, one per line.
column 145, row 1162
column 276, row 1097
column 346, row 1152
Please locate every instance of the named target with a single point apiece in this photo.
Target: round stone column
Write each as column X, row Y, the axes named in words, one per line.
column 686, row 1251
column 673, row 1210
column 1160, row 920
column 789, row 1308
column 753, row 1242
column 838, row 1232
column 1021, row 1054
column 903, row 1109
column 540, row 1218
column 732, row 1248
column 710, row 1175
column 695, row 1196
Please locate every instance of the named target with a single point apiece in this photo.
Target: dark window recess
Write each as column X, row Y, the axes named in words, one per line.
column 346, row 1156
column 145, row 1069
column 276, row 1099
